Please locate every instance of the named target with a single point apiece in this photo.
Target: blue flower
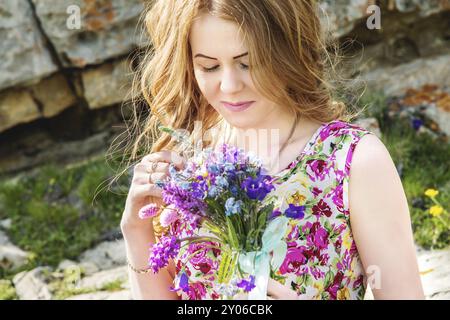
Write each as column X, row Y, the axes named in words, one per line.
column 213, row 191
column 184, row 282
column 296, row 212
column 213, row 168
column 221, row 182
column 247, row 285
column 275, row 214
column 416, row 123
column 257, row 188
column 232, row 206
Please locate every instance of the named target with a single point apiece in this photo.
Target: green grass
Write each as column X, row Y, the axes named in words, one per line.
column 60, row 212
column 7, row 291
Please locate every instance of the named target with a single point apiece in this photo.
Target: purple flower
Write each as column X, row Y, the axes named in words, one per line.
column 275, row 213
column 168, row 216
column 162, row 251
column 295, row 212
column 247, row 285
column 257, row 188
column 416, row 123
column 184, row 282
column 182, row 199
column 148, row 211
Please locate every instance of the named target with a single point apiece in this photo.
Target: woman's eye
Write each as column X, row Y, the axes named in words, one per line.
column 243, row 66
column 210, row 69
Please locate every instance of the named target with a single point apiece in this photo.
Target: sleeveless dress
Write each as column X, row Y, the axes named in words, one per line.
column 322, row 260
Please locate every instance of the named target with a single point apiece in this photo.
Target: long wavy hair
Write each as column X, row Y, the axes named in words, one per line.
column 292, row 62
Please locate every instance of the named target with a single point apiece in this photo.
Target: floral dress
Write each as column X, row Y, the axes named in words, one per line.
column 322, row 260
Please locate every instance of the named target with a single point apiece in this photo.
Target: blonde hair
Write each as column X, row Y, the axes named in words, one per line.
column 289, row 63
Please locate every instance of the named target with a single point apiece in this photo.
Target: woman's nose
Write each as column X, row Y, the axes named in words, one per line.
column 231, row 82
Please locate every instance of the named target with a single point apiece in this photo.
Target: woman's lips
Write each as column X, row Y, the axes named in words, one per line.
column 239, row 107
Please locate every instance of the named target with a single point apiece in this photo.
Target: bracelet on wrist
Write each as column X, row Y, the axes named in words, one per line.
column 140, row 271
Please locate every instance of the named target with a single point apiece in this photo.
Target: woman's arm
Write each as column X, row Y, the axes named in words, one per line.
column 148, row 286
column 381, row 224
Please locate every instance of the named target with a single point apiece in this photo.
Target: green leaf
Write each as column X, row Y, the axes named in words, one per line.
column 328, row 279
column 234, row 241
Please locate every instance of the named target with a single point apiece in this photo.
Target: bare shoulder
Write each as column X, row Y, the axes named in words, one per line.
column 373, row 176
column 370, row 152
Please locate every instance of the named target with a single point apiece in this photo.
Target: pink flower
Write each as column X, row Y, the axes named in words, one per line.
column 148, row 211
column 168, row 216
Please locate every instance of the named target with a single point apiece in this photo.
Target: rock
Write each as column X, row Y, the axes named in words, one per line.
column 54, row 95
column 106, row 255
column 395, row 80
column 11, row 257
column 17, row 106
column 106, row 85
column 65, row 264
column 23, row 53
column 340, row 18
column 106, row 28
column 5, row 224
column 32, row 285
column 440, row 116
column 434, row 266
column 88, row 268
column 103, row 295
column 99, row 279
column 424, row 7
column 370, row 124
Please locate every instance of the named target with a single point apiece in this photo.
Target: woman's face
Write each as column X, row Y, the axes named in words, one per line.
column 221, row 67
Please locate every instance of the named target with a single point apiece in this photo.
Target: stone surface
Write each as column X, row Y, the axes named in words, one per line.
column 423, row 7
column 5, row 224
column 11, row 257
column 65, row 264
column 17, row 106
column 106, row 29
column 54, row 95
column 103, row 295
column 370, row 124
column 99, row 279
column 395, row 80
column 106, row 85
column 106, row 255
column 340, row 18
column 434, row 267
column 32, row 285
column 441, row 116
column 23, row 52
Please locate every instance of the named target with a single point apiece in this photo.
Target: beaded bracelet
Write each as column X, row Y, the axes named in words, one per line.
column 140, row 271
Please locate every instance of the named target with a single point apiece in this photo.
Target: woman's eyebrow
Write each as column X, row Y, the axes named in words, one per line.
column 199, row 55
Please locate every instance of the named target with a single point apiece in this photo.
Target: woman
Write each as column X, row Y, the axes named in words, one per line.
column 240, row 66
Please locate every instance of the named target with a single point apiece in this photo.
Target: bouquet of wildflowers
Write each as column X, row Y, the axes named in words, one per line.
column 222, row 192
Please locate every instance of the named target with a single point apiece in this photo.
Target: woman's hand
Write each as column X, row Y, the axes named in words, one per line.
column 277, row 291
column 143, row 190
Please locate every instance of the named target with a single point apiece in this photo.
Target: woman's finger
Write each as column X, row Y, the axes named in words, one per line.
column 146, row 190
column 167, row 156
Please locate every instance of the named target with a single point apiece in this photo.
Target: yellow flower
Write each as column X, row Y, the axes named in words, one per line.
column 297, row 199
column 346, row 241
column 343, row 294
column 436, row 211
column 431, row 193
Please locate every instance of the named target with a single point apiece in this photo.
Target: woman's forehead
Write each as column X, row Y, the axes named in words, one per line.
column 216, row 37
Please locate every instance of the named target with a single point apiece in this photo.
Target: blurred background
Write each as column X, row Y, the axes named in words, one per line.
column 65, row 74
